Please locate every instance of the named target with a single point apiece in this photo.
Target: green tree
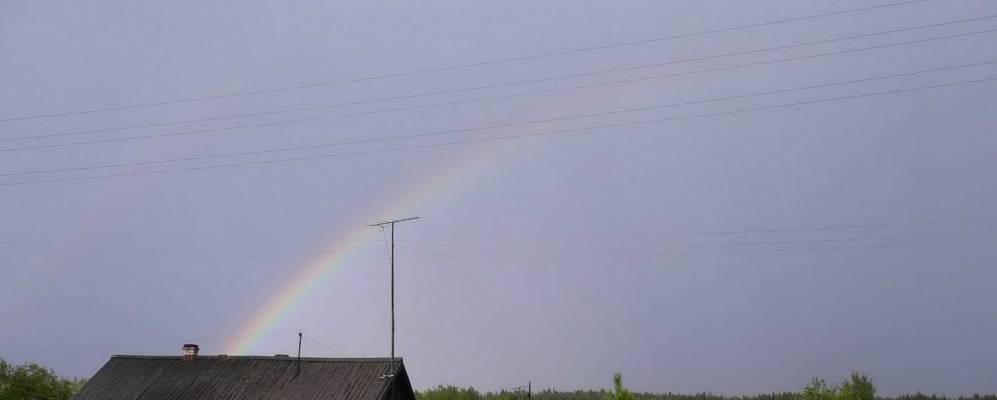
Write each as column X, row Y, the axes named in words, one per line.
column 448, row 392
column 817, row 389
column 619, row 392
column 857, row 387
column 31, row 381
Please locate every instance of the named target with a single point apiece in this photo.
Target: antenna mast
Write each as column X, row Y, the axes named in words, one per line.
column 381, row 225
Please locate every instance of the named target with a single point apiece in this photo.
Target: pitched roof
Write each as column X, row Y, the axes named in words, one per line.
column 245, row 377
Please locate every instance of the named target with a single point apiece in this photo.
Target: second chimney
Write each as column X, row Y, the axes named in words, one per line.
column 190, row 352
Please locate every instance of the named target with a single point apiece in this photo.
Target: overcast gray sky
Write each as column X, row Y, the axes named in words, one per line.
column 722, row 251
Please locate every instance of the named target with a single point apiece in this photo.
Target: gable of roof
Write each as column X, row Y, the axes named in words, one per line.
column 247, row 377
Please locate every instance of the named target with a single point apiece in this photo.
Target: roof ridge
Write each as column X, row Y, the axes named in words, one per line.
column 160, row 377
column 221, row 356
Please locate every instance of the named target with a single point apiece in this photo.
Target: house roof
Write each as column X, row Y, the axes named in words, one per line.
column 244, row 377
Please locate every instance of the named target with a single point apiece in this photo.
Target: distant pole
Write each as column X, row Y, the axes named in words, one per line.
column 382, row 225
column 298, row 367
column 519, row 390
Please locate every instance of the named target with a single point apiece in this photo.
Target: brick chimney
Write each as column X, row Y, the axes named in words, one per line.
column 190, row 352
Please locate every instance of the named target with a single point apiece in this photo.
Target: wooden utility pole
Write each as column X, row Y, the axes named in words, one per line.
column 382, row 225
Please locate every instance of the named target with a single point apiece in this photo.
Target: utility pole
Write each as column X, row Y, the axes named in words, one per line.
column 382, row 225
column 297, row 368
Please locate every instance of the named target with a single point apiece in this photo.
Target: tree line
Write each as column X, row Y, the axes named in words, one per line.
column 30, row 381
column 857, row 386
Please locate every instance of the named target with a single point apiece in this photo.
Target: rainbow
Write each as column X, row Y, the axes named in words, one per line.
column 295, row 290
column 290, row 296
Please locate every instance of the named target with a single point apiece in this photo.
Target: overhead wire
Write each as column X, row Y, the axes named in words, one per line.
column 504, row 125
column 604, row 251
column 582, row 130
column 459, row 66
column 226, row 339
column 413, row 251
column 673, row 252
column 864, row 226
column 532, row 81
column 194, row 249
column 467, row 257
column 552, row 132
column 477, row 99
column 330, row 348
column 105, row 354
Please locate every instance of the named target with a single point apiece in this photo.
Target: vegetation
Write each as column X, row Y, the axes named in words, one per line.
column 857, row 387
column 31, row 381
column 619, row 392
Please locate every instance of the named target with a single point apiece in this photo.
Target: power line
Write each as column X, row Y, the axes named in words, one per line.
column 316, row 350
column 672, row 252
column 255, row 260
column 530, row 81
column 88, row 356
column 459, row 66
column 227, row 339
column 485, row 250
column 620, row 252
column 195, row 249
column 694, row 245
column 809, row 228
column 434, row 254
column 589, row 129
column 330, row 348
column 467, row 141
column 477, row 99
column 506, row 125
column 534, row 239
column 170, row 238
column 789, row 250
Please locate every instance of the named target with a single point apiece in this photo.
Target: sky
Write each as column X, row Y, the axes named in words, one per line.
column 720, row 196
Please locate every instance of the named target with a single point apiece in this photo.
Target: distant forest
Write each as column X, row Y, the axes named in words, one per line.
column 31, row 381
column 856, row 387
column 458, row 393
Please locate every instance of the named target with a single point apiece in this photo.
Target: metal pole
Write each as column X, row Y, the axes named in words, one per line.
column 382, row 225
column 392, row 297
column 297, row 368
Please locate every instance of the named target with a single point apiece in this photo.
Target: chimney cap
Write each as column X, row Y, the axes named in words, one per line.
column 190, row 351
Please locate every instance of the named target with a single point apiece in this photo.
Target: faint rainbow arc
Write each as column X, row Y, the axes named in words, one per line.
column 296, row 289
column 291, row 294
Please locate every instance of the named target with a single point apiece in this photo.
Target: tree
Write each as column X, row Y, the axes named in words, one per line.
column 619, row 392
column 31, row 381
column 817, row 389
column 857, row 387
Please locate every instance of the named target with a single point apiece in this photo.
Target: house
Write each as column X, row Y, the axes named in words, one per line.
column 196, row 377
